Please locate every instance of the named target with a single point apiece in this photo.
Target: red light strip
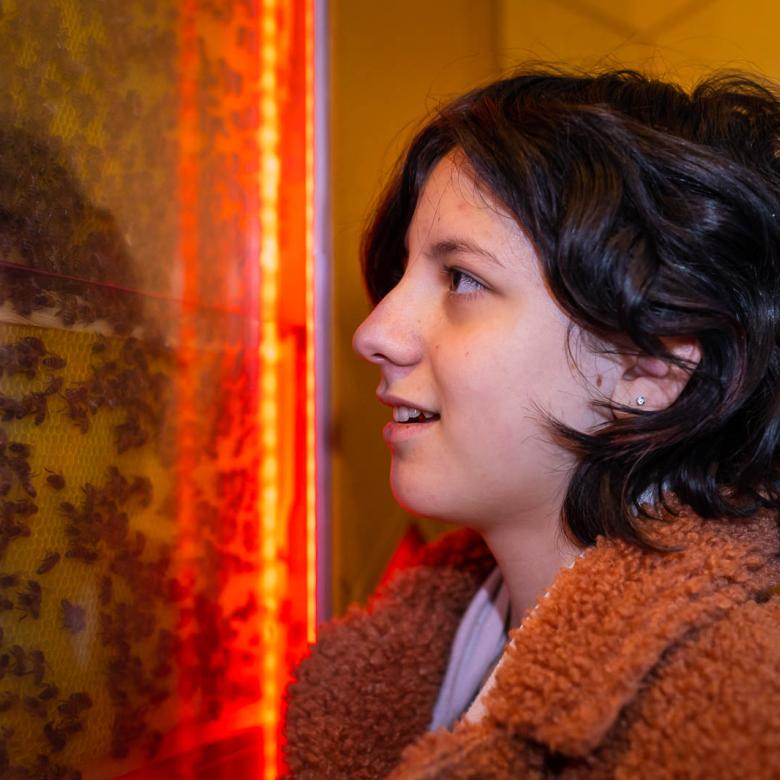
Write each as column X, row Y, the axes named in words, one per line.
column 311, row 388
column 269, row 494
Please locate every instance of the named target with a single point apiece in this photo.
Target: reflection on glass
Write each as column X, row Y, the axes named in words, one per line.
column 135, row 621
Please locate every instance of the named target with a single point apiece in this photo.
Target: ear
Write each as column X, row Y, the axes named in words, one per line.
column 659, row 382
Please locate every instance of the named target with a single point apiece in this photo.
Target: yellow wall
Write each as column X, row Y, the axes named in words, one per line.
column 674, row 38
column 391, row 63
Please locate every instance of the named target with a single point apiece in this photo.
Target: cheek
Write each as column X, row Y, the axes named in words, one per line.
column 492, row 385
column 484, row 388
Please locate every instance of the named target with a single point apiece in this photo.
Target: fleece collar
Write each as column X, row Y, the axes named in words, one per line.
column 620, row 608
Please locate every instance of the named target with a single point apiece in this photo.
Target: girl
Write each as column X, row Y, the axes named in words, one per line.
column 576, row 289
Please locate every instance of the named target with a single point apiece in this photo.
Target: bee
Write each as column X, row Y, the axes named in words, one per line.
column 120, row 744
column 54, row 386
column 129, row 434
column 80, row 552
column 153, row 743
column 55, row 735
column 55, row 480
column 48, row 692
column 158, row 695
column 74, row 617
column 8, row 701
column 176, row 590
column 36, row 403
column 10, row 529
column 45, row 770
column 38, row 661
column 25, row 508
column 117, row 486
column 54, row 362
column 6, row 478
column 6, row 605
column 10, row 408
column 90, row 494
column 142, row 488
column 43, row 300
column 108, row 633
column 22, row 470
column 48, row 563
column 68, row 310
column 144, row 625
column 159, row 568
column 9, row 580
column 74, row 705
column 35, row 706
column 211, row 710
column 33, row 344
column 76, row 401
column 106, row 589
column 167, row 644
column 140, row 544
column 86, row 313
column 244, row 612
column 30, row 601
column 129, row 726
column 100, row 346
column 20, row 661
column 162, row 669
column 119, row 698
column 19, row 449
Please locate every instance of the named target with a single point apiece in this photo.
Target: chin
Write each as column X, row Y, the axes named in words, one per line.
column 411, row 496
column 419, row 497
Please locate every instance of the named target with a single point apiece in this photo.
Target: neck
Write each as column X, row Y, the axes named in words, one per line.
column 529, row 560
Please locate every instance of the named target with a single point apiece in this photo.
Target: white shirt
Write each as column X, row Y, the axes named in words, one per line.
column 479, row 644
column 478, row 647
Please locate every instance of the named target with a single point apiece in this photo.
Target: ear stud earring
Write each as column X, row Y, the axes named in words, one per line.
column 640, row 401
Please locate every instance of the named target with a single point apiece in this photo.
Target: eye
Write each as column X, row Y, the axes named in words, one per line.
column 461, row 283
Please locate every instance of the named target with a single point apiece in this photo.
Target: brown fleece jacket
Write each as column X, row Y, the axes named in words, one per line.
column 637, row 665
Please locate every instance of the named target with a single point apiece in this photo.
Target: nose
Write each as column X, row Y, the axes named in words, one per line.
column 390, row 335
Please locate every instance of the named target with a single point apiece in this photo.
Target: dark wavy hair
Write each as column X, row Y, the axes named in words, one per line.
column 654, row 213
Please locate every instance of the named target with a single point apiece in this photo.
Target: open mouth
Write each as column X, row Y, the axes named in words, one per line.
column 419, row 420
column 407, row 415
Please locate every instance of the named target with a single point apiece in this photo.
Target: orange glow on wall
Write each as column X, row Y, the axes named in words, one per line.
column 276, row 298
column 287, row 414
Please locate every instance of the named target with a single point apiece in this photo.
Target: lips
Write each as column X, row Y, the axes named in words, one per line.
column 393, row 401
column 397, row 432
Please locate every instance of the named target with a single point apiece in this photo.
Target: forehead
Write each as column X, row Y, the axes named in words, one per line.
column 454, row 204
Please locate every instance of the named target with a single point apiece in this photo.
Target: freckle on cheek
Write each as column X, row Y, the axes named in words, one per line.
column 598, row 381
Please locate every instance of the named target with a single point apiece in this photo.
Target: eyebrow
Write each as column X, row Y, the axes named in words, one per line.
column 453, row 246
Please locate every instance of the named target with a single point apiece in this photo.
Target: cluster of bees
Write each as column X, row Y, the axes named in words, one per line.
column 214, row 638
column 160, row 635
column 24, row 357
column 62, row 716
column 23, row 291
column 97, row 533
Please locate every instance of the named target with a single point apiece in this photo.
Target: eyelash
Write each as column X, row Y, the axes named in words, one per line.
column 449, row 272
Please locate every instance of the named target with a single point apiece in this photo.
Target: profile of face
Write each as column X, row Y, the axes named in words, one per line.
column 472, row 334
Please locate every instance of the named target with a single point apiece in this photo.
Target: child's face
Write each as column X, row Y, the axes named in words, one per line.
column 478, row 357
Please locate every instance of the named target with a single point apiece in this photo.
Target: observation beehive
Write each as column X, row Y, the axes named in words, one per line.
column 156, row 374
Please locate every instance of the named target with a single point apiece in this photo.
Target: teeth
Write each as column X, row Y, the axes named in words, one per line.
column 406, row 413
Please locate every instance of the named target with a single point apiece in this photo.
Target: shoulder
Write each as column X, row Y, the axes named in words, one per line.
column 462, row 550
column 371, row 679
column 440, row 580
column 714, row 701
